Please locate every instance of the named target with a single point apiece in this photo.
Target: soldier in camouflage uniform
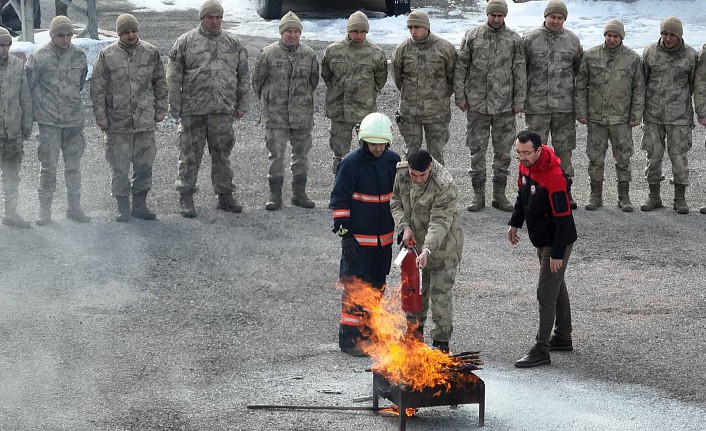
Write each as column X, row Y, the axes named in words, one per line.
column 56, row 73
column 15, row 126
column 129, row 95
column 700, row 95
column 610, row 98
column 490, row 83
column 207, row 77
column 284, row 77
column 553, row 56
column 669, row 67
column 354, row 70
column 424, row 207
column 423, row 69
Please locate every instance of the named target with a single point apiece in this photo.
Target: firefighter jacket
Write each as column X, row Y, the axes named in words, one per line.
column 700, row 85
column 208, row 73
column 354, row 74
column 431, row 211
column 56, row 77
column 553, row 60
column 542, row 202
column 284, row 78
column 491, row 75
column 669, row 83
column 15, row 100
column 424, row 75
column 128, row 87
column 610, row 88
column 361, row 194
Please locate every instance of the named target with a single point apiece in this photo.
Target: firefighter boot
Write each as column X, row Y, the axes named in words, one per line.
column 499, row 199
column 44, row 210
column 274, row 202
column 74, row 210
column 595, row 201
column 654, row 200
column 569, row 183
column 11, row 217
column 123, row 213
column 299, row 197
column 624, row 196
column 478, row 201
column 680, row 205
column 227, row 202
column 139, row 207
column 186, row 205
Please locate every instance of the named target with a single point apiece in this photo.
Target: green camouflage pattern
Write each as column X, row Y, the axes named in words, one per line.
column 284, row 79
column 677, row 140
column 424, row 74
column 341, row 138
column 276, row 142
column 208, row 73
column 553, row 60
column 491, row 75
column 128, row 87
column 477, row 136
column 669, row 83
column 71, row 143
column 195, row 131
column 431, row 211
column 10, row 163
column 437, row 294
column 56, row 77
column 354, row 74
column 436, row 136
column 700, row 85
column 16, row 100
column 562, row 128
column 123, row 149
column 610, row 87
column 620, row 136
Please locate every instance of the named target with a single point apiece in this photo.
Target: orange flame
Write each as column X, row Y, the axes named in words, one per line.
column 400, row 357
column 395, row 411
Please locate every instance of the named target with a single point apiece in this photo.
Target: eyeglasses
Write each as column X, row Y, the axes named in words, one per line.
column 525, row 153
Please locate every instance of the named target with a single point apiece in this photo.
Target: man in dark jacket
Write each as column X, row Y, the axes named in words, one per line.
column 543, row 203
column 360, row 201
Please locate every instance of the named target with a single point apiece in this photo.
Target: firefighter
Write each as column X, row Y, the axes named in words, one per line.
column 360, row 201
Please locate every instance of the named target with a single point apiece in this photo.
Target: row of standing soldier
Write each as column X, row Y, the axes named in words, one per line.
column 495, row 75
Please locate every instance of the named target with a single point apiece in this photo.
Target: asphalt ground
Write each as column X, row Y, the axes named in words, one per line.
column 180, row 324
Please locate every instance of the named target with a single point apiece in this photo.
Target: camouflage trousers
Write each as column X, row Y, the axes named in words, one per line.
column 478, row 132
column 437, row 286
column 620, row 136
column 436, row 135
column 121, row 150
column 340, row 140
column 562, row 128
column 678, row 143
column 276, row 142
column 10, row 164
column 195, row 131
column 70, row 142
column 553, row 298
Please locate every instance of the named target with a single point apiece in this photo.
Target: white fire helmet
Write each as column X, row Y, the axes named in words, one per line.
column 375, row 128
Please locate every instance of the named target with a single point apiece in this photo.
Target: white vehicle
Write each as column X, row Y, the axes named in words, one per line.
column 272, row 9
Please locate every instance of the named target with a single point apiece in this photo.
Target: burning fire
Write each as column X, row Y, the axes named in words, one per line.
column 395, row 411
column 402, row 358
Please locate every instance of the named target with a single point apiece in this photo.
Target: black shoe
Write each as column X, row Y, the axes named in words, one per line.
column 441, row 345
column 534, row 358
column 560, row 345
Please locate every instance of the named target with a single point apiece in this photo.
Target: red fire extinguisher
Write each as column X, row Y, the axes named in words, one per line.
column 411, row 290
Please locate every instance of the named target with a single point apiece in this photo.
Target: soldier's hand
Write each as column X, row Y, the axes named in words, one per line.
column 407, row 236
column 239, row 114
column 555, row 264
column 582, row 121
column 463, row 106
column 158, row 118
column 512, row 235
column 633, row 124
column 422, row 259
column 103, row 124
column 702, row 121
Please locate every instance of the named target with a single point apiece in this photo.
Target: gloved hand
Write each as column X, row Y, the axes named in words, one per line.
column 349, row 247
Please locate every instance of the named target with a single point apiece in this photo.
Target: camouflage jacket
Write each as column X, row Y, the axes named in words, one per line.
column 56, row 77
column 700, row 85
column 490, row 74
column 424, row 75
column 610, row 88
column 354, row 74
column 207, row 73
column 285, row 78
column 128, row 87
column 15, row 100
column 669, row 83
column 431, row 211
column 553, row 60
